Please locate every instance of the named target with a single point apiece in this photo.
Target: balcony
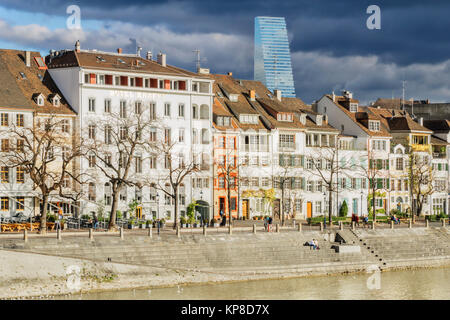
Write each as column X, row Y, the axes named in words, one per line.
column 439, row 155
column 421, row 147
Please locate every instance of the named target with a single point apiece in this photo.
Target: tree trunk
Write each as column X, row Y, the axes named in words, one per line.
column 282, row 205
column 330, row 207
column 229, row 206
column 374, row 212
column 113, row 214
column 43, row 226
column 175, row 224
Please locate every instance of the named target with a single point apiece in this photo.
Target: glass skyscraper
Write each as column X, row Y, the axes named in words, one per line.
column 272, row 61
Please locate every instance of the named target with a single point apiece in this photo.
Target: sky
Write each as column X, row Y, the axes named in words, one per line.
column 331, row 47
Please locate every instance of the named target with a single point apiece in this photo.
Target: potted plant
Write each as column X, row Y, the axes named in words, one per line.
column 148, row 223
column 206, row 222
column 131, row 224
column 141, row 224
column 162, row 223
column 182, row 221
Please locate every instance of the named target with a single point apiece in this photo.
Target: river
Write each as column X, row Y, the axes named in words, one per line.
column 406, row 284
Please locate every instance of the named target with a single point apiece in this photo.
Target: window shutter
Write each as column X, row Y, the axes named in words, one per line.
column 303, row 183
column 302, row 160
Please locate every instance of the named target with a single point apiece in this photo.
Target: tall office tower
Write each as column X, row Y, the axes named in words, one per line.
column 272, row 61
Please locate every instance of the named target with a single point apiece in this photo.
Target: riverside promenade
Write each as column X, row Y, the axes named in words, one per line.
column 41, row 265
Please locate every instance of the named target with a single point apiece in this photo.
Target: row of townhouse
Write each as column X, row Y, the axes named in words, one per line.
column 28, row 98
column 254, row 151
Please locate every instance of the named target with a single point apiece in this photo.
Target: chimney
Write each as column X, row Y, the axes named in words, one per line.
column 421, row 121
column 334, row 97
column 149, row 55
column 252, row 95
column 119, row 50
column 162, row 59
column 77, row 46
column 138, row 51
column 28, row 58
column 230, row 73
column 278, row 94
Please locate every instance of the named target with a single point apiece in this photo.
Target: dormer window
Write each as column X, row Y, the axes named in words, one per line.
column 39, row 99
column 223, row 121
column 303, row 118
column 248, row 118
column 285, row 117
column 233, row 97
column 55, row 100
column 374, row 125
column 354, row 107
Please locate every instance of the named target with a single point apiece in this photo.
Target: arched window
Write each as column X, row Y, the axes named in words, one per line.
column 205, row 136
column 182, row 195
column 166, row 196
column 91, row 192
column 138, row 194
column 204, row 111
column 194, row 111
column 107, row 194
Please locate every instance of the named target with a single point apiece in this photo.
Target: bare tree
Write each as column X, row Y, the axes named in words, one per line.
column 124, row 142
column 421, row 179
column 47, row 154
column 176, row 169
column 375, row 171
column 326, row 164
column 228, row 168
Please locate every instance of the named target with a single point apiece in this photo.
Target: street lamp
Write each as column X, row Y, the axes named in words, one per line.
column 157, row 205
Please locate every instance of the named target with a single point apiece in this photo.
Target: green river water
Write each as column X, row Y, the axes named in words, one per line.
column 407, row 284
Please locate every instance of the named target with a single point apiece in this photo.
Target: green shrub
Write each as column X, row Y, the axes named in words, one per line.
column 344, row 209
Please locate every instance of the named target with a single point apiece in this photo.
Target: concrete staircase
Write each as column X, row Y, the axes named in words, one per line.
column 213, row 252
column 393, row 247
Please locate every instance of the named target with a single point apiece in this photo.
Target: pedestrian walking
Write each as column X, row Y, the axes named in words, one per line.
column 266, row 223
column 269, row 226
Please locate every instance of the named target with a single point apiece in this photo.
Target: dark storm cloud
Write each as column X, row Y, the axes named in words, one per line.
column 330, row 44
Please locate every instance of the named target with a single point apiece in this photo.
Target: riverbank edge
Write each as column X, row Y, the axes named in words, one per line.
column 103, row 277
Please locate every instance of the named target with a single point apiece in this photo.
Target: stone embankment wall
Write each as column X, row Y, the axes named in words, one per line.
column 108, row 262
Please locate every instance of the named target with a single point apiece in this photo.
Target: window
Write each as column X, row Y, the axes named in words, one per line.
column 221, row 182
column 123, row 109
column 152, row 137
column 91, row 129
column 4, row 206
column 374, row 125
column 123, row 194
column 65, row 126
column 152, row 162
column 194, row 136
column 19, row 120
column 353, row 107
column 123, row 133
column 181, row 135
column 108, row 192
column 91, row 160
column 138, row 107
column 204, row 112
column 108, row 158
column 20, row 145
column 153, row 192
column 194, row 111
column 399, row 164
column 108, row 134
column 20, row 203
column 91, row 105
column 167, row 134
column 287, row 141
column 4, row 173
column 4, row 120
column 233, row 202
column 138, row 164
column 231, row 143
column 65, row 152
column 91, row 191
column 167, row 109
column 5, row 145
column 166, row 162
column 318, row 207
column 181, row 110
column 107, row 105
column 152, row 111
column 205, row 136
column 20, row 175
